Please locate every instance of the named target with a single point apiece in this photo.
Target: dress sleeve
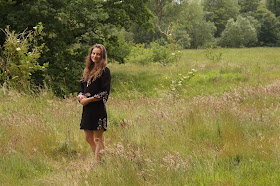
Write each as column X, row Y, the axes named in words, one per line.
column 106, row 86
column 81, row 91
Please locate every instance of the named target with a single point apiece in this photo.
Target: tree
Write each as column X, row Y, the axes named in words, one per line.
column 248, row 5
column 201, row 31
column 222, row 11
column 274, row 6
column 239, row 33
column 270, row 30
column 71, row 26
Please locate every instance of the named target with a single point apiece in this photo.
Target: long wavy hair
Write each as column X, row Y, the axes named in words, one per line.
column 94, row 70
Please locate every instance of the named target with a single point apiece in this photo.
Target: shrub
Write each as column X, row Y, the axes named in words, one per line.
column 239, row 34
column 140, row 54
column 19, row 56
column 153, row 53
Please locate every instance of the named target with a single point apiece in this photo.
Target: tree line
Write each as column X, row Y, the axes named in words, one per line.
column 62, row 31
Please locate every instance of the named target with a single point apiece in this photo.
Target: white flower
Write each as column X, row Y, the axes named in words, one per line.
column 180, row 74
column 35, row 27
column 173, row 54
column 18, row 49
column 173, row 89
column 193, row 70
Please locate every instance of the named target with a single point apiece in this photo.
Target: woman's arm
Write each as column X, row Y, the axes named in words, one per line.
column 86, row 100
column 81, row 95
column 105, row 90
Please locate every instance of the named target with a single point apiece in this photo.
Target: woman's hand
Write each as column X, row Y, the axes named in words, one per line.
column 80, row 97
column 84, row 101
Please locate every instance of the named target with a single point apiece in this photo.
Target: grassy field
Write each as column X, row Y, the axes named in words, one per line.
column 199, row 122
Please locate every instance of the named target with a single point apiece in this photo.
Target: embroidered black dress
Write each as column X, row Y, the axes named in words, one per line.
column 94, row 115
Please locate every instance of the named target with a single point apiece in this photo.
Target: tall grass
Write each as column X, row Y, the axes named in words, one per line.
column 220, row 128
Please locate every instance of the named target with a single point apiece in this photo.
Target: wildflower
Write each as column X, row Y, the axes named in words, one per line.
column 18, row 40
column 173, row 89
column 173, row 54
column 35, row 27
column 193, row 70
column 190, row 73
column 180, row 74
column 18, row 49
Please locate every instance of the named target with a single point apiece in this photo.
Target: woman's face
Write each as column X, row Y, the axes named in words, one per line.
column 96, row 55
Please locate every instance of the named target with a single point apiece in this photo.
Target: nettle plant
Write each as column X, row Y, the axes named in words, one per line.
column 178, row 84
column 19, row 55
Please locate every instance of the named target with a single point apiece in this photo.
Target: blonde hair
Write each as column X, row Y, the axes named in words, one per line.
column 94, row 70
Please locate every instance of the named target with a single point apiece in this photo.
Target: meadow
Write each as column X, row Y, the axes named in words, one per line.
column 202, row 121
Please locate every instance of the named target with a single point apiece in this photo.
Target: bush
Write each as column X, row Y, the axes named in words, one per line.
column 153, row 53
column 140, row 54
column 121, row 48
column 239, row 34
column 19, row 55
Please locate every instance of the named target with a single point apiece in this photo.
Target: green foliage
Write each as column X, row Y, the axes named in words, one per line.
column 222, row 11
column 201, row 32
column 239, row 33
column 121, row 48
column 248, row 5
column 164, row 54
column 270, row 30
column 71, row 28
column 140, row 54
column 19, row 57
column 154, row 53
column 215, row 57
column 179, row 83
column 273, row 6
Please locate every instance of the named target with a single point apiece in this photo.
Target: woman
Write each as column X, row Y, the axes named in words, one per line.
column 95, row 88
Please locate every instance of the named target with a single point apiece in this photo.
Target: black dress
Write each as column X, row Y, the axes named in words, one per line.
column 94, row 115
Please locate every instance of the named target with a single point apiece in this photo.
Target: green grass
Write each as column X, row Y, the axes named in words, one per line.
column 220, row 127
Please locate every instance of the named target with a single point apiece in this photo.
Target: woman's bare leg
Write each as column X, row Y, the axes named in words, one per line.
column 89, row 135
column 100, row 144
